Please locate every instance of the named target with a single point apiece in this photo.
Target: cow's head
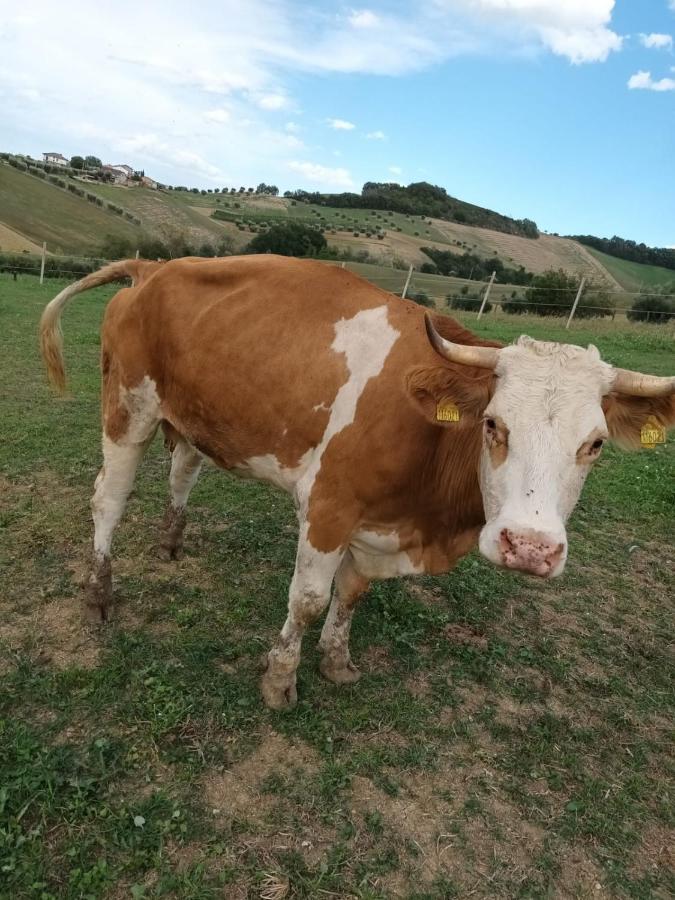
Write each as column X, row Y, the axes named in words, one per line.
column 547, row 409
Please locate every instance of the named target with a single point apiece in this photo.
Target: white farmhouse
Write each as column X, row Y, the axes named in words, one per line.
column 54, row 159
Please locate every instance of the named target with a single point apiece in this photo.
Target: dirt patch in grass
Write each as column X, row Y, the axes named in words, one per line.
column 429, row 816
column 54, row 635
column 240, row 791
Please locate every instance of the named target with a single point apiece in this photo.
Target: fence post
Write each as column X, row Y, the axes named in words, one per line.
column 342, row 265
column 138, row 253
column 486, row 294
column 576, row 300
column 42, row 263
column 407, row 283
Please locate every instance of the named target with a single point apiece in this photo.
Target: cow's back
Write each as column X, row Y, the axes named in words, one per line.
column 248, row 354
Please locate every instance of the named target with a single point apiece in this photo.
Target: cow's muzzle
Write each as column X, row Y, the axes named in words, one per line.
column 533, row 552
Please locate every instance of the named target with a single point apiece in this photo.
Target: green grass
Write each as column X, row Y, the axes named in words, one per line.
column 507, row 739
column 44, row 212
column 634, row 276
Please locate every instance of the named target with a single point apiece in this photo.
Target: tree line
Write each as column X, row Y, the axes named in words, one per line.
column 421, row 199
column 630, row 250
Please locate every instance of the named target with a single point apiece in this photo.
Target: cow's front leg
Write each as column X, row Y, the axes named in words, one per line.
column 308, row 597
column 336, row 663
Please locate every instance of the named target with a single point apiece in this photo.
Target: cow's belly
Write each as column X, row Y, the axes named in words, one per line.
column 379, row 555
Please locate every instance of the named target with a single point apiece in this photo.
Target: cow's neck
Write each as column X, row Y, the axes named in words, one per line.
column 453, row 477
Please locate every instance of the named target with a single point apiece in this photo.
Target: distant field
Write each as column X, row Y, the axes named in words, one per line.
column 633, row 276
column 12, row 241
column 43, row 212
column 508, row 739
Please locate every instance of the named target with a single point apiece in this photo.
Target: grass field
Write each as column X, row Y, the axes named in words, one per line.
column 43, row 212
column 507, row 739
column 633, row 276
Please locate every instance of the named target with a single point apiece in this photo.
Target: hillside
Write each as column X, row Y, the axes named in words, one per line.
column 39, row 212
column 633, row 276
column 32, row 211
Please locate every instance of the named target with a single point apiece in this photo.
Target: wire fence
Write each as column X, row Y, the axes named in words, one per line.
column 450, row 292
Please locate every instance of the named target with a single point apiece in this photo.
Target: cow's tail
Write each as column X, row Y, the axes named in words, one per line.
column 51, row 336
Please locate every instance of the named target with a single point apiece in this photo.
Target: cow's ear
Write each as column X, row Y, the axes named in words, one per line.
column 437, row 391
column 626, row 416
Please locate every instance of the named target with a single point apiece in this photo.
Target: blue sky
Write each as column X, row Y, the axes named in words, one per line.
column 559, row 110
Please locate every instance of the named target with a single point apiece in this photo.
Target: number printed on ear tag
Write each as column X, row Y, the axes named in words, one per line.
column 652, row 434
column 447, row 411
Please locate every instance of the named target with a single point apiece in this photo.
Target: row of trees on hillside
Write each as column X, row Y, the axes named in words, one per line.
column 419, row 198
column 468, row 265
column 630, row 250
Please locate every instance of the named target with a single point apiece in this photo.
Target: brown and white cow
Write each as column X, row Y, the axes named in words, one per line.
column 401, row 445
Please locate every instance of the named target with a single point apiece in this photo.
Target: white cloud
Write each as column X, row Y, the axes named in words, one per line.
column 341, row 124
column 656, row 41
column 220, row 115
column 322, row 175
column 644, row 81
column 363, row 18
column 272, row 101
column 292, row 127
column 376, row 136
column 575, row 29
column 396, row 170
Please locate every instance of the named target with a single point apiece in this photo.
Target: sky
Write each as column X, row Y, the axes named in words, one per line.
column 562, row 111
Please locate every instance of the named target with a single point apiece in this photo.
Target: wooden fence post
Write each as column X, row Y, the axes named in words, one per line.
column 407, row 283
column 576, row 300
column 42, row 263
column 486, row 294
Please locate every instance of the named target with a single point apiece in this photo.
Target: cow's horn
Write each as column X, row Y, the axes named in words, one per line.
column 484, row 357
column 638, row 385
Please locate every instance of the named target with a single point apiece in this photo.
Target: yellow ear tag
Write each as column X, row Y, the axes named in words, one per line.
column 652, row 434
column 447, row 411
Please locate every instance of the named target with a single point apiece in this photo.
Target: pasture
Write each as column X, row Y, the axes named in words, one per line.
column 507, row 739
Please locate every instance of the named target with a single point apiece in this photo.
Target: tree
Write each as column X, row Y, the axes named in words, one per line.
column 289, row 239
column 653, row 307
column 92, row 162
column 76, row 162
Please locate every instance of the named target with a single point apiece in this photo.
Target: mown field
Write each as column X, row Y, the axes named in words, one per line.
column 634, row 276
column 507, row 739
column 42, row 212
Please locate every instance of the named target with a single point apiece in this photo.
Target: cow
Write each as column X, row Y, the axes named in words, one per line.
column 403, row 438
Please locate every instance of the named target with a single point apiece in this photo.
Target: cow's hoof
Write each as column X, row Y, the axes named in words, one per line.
column 339, row 674
column 279, row 692
column 168, row 553
column 96, row 614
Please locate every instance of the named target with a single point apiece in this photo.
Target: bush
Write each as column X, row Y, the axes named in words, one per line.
column 652, row 308
column 422, row 298
column 467, row 302
column 289, row 239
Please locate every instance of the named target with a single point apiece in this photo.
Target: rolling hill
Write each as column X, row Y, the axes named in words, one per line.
column 32, row 210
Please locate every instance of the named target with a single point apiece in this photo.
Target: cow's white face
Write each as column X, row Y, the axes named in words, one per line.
column 543, row 429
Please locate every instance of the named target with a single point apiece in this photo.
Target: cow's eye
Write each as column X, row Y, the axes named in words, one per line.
column 597, row 445
column 490, row 424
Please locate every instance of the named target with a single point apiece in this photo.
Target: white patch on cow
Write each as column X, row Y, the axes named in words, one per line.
column 549, row 397
column 366, row 340
column 378, row 555
column 143, row 404
column 186, row 463
column 267, row 467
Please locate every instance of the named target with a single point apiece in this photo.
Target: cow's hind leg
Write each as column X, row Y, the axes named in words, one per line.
column 336, row 663
column 186, row 463
column 308, row 597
